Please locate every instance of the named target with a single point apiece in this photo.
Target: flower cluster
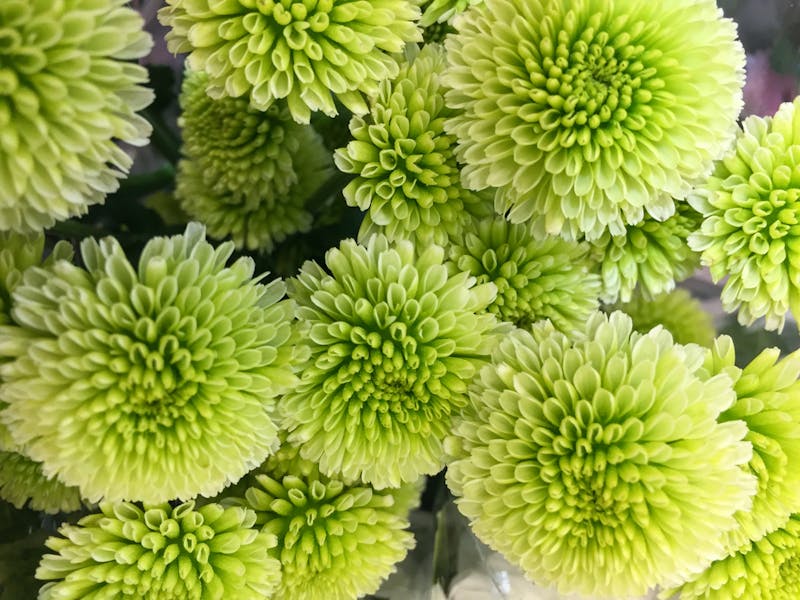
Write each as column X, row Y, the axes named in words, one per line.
column 393, row 339
column 152, row 383
column 68, row 93
column 161, row 552
column 335, row 541
column 751, row 205
column 407, row 177
column 536, row 279
column 589, row 115
column 575, row 456
column 306, row 51
column 246, row 173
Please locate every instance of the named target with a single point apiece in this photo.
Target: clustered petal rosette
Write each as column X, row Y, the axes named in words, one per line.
column 393, row 340
column 767, row 390
column 767, row 569
column 751, row 205
column 442, row 11
column 651, row 255
column 246, row 173
column 676, row 311
column 598, row 464
column 152, row 383
column 590, row 114
column 536, row 279
column 407, row 179
column 306, row 51
column 335, row 541
column 160, row 552
column 23, row 483
column 68, row 93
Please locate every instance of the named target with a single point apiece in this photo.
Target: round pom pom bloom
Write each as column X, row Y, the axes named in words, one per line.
column 589, row 114
column 598, row 464
column 246, row 173
column 393, row 339
column 751, row 205
column 651, row 255
column 766, row 400
column 335, row 541
column 407, row 180
column 768, row 569
column 161, row 553
column 306, row 51
column 152, row 383
column 676, row 311
column 536, row 279
column 68, row 93
column 22, row 482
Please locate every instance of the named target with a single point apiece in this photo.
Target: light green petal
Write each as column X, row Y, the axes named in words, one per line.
column 22, row 482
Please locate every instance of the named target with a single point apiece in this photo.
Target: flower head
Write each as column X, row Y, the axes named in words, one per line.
column 393, row 339
column 536, row 279
column 590, row 114
column 676, row 311
column 161, row 553
column 767, row 569
column 23, row 483
column 307, row 51
column 442, row 11
column 751, row 205
column 767, row 390
column 335, row 541
column 68, row 93
column 598, row 464
column 407, row 178
column 651, row 255
column 246, row 173
column 152, row 383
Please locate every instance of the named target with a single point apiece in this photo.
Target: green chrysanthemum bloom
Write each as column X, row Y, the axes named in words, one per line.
column 651, row 255
column 536, row 279
column 68, row 93
column 768, row 569
column 246, row 173
column 306, row 51
column 22, row 482
column 767, row 390
column 393, row 339
column 441, row 11
column 161, row 553
column 147, row 384
column 335, row 541
column 590, row 114
column 751, row 205
column 676, row 311
column 407, row 180
column 598, row 464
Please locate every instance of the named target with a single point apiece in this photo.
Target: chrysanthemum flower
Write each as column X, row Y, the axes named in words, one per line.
column 152, row 383
column 676, row 311
column 68, row 93
column 768, row 569
column 536, row 279
column 651, row 255
column 307, row 51
column 335, row 541
column 393, row 339
column 23, row 483
column 160, row 553
column 246, row 173
column 407, row 180
column 590, row 114
column 767, row 390
column 598, row 464
column 751, row 205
